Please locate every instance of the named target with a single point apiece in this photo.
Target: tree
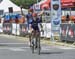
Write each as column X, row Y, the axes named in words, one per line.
column 25, row 3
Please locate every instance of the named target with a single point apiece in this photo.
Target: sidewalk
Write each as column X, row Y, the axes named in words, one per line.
column 43, row 41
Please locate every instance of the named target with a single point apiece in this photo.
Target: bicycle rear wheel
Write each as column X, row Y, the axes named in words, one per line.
column 38, row 46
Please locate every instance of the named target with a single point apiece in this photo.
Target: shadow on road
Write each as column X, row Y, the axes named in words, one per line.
column 43, row 53
column 3, row 45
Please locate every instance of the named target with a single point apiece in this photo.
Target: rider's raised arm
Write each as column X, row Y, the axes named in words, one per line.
column 40, row 13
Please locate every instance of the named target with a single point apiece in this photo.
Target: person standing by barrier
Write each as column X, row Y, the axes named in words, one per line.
column 29, row 16
column 29, row 20
column 67, row 17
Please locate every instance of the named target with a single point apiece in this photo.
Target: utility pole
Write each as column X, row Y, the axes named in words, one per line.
column 37, row 1
column 21, row 9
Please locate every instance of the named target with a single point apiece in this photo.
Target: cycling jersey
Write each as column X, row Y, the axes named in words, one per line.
column 34, row 24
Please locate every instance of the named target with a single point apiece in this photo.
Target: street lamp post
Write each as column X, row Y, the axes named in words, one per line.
column 21, row 9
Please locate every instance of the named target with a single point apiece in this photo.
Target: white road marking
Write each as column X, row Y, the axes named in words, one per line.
column 13, row 43
column 65, row 48
column 42, row 47
column 58, row 47
column 16, row 49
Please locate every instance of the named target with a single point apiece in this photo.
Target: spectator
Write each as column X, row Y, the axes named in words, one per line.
column 67, row 17
column 29, row 16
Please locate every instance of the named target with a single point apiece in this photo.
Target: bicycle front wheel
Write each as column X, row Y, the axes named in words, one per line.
column 33, row 45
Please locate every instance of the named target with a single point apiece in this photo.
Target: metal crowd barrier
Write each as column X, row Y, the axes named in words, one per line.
column 7, row 28
column 68, row 32
column 23, row 29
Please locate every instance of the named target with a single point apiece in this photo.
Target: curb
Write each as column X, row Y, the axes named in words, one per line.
column 60, row 44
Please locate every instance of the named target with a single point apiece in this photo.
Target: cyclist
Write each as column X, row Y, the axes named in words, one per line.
column 34, row 28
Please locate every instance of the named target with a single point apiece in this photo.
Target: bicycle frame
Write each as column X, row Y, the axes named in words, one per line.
column 35, row 42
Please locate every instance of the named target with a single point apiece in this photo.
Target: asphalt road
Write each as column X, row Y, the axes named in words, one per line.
column 12, row 48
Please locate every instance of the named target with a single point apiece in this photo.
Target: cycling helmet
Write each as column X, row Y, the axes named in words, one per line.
column 30, row 10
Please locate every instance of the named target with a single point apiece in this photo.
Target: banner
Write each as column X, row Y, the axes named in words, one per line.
column 46, row 30
column 36, row 6
column 1, row 27
column 55, row 17
column 18, row 29
column 15, row 29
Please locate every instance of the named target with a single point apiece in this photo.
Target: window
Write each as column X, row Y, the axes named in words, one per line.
column 1, row 12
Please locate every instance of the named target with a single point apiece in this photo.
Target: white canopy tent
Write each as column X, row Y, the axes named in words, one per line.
column 42, row 2
column 5, row 4
column 37, row 5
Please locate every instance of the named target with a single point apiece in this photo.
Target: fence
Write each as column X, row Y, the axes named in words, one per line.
column 68, row 32
column 7, row 28
column 23, row 29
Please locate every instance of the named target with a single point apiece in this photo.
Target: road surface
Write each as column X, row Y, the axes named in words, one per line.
column 12, row 48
